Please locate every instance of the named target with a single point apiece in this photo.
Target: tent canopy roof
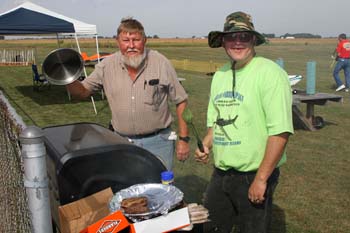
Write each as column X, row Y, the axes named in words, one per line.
column 29, row 18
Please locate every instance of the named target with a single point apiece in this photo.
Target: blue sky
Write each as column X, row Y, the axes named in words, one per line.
column 187, row 18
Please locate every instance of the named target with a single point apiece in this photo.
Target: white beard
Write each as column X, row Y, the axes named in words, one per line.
column 134, row 61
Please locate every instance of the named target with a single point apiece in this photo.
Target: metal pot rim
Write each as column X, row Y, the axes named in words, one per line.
column 66, row 80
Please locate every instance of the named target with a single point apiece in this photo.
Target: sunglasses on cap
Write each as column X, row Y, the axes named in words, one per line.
column 238, row 36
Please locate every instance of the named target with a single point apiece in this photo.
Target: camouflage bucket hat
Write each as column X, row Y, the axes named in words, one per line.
column 235, row 22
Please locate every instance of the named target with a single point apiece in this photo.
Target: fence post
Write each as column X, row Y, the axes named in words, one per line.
column 310, row 77
column 35, row 179
column 280, row 62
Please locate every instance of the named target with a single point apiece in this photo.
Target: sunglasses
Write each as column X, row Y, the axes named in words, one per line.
column 238, row 36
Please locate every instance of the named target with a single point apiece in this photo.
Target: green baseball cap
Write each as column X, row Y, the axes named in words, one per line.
column 235, row 22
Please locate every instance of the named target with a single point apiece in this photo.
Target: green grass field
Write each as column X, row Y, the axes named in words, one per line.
column 314, row 188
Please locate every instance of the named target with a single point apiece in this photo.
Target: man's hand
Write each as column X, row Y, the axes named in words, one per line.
column 256, row 191
column 182, row 150
column 77, row 90
column 202, row 156
column 273, row 153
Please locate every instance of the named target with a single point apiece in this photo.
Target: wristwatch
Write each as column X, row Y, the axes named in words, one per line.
column 185, row 139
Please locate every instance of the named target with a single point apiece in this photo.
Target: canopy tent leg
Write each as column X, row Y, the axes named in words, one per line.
column 93, row 104
column 98, row 61
column 58, row 40
column 92, row 98
column 97, row 49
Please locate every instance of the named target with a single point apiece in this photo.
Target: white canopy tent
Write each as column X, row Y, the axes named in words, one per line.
column 29, row 18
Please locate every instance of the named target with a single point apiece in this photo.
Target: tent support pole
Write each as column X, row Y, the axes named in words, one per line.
column 77, row 42
column 58, row 40
column 91, row 97
column 98, row 61
column 97, row 49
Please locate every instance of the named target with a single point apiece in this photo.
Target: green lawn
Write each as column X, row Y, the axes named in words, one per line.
column 313, row 192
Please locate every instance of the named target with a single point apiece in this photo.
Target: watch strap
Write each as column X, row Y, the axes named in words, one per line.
column 185, row 139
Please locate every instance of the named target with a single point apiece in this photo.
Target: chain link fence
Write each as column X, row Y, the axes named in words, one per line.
column 14, row 213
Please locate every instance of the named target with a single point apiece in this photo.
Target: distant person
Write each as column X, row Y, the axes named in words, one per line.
column 343, row 63
column 139, row 83
column 249, row 121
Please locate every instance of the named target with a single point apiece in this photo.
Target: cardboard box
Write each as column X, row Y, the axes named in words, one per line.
column 116, row 222
column 113, row 223
column 172, row 221
column 77, row 215
column 91, row 215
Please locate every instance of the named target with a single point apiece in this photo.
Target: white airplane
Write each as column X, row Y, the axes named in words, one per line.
column 294, row 79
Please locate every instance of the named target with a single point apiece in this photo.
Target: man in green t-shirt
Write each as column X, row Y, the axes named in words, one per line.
column 249, row 121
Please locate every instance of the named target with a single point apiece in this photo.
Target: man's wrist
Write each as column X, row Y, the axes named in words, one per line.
column 185, row 139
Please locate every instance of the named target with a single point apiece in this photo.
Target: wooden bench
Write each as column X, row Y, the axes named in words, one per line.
column 309, row 121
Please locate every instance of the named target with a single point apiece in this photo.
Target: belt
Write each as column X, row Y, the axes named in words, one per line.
column 344, row 57
column 139, row 136
column 236, row 172
column 232, row 171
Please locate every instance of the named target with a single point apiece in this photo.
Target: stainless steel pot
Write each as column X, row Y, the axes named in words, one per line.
column 63, row 66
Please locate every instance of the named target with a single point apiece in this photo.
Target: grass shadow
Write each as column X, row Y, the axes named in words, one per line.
column 49, row 95
column 328, row 123
column 46, row 95
column 278, row 224
column 298, row 126
column 193, row 188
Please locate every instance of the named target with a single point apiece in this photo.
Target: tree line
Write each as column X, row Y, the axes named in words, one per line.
column 295, row 35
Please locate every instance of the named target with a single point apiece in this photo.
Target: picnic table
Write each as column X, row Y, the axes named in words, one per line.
column 308, row 120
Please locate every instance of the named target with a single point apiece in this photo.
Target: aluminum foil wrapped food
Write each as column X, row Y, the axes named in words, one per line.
column 160, row 199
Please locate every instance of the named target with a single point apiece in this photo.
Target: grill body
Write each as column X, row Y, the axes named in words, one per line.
column 84, row 158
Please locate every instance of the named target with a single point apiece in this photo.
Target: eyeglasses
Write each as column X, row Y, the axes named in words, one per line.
column 238, row 36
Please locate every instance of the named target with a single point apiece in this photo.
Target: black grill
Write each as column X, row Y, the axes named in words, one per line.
column 85, row 158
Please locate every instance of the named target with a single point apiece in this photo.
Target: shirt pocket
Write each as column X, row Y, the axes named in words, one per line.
column 154, row 94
